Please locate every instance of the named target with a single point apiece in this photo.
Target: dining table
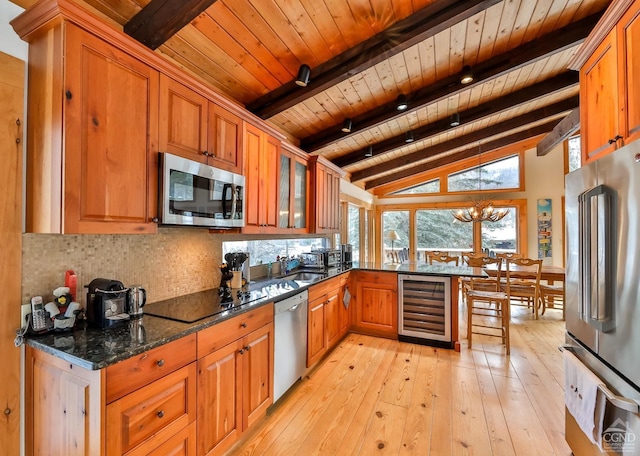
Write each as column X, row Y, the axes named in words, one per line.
column 548, row 273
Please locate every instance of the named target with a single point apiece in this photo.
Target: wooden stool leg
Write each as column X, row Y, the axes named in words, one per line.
column 506, row 318
column 469, row 317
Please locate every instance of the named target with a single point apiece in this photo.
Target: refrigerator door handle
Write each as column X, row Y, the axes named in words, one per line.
column 597, row 297
column 621, row 402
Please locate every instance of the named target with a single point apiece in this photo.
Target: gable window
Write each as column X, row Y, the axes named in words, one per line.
column 503, row 174
column 432, row 186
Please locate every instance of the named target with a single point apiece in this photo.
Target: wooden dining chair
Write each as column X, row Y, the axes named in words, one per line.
column 523, row 286
column 552, row 296
column 443, row 258
column 473, row 259
column 508, row 255
column 487, row 301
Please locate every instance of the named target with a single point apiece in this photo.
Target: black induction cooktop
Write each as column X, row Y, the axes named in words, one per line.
column 196, row 306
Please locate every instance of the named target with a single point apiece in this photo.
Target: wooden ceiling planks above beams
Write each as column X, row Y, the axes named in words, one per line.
column 511, row 140
column 520, row 97
column 438, row 16
column 551, row 43
column 464, row 140
column 161, row 19
column 567, row 126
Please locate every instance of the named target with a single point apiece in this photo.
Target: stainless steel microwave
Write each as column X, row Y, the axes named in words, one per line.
column 192, row 193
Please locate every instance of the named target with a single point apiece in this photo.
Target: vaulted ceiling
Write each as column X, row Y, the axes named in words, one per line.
column 363, row 55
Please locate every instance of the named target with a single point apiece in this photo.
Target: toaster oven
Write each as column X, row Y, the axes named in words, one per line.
column 313, row 260
column 330, row 258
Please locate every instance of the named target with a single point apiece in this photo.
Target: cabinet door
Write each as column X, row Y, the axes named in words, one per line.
column 63, row 407
column 257, row 374
column 111, row 131
column 219, row 420
column 292, row 202
column 332, row 318
column 599, row 100
column 271, row 172
column 284, row 191
column 345, row 320
column 182, row 443
column 629, row 65
column 300, row 183
column 315, row 331
column 377, row 304
column 183, row 120
column 225, row 139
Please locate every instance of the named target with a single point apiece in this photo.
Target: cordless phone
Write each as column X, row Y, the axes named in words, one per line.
column 38, row 314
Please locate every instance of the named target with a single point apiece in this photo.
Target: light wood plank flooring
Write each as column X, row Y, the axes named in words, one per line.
column 377, row 396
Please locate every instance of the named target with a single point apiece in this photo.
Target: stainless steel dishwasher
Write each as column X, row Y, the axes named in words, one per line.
column 290, row 359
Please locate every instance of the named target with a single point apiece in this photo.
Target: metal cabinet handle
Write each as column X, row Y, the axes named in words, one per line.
column 160, row 414
column 160, row 363
column 247, row 348
column 243, row 325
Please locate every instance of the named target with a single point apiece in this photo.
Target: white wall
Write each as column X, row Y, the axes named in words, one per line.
column 10, row 43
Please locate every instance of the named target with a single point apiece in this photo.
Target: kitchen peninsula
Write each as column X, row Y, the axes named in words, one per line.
column 151, row 370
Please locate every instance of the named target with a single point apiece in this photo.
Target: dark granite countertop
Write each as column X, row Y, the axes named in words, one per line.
column 93, row 348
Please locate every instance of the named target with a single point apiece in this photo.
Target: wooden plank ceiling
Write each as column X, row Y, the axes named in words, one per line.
column 364, row 54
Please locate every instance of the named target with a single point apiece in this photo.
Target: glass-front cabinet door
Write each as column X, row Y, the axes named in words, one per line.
column 293, row 193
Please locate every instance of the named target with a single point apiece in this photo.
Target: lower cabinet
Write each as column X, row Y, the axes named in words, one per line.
column 376, row 303
column 235, row 384
column 328, row 318
column 195, row 395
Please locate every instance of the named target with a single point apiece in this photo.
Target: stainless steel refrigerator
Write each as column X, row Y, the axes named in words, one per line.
column 602, row 284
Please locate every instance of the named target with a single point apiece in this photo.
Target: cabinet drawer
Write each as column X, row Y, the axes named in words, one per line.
column 219, row 335
column 133, row 373
column 183, row 443
column 152, row 414
column 388, row 278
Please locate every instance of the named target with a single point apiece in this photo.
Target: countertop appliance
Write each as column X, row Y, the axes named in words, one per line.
column 602, row 285
column 424, row 310
column 313, row 260
column 136, row 299
column 331, row 257
column 346, row 254
column 106, row 303
column 290, row 352
column 192, row 193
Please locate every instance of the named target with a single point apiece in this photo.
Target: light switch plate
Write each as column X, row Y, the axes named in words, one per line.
column 25, row 310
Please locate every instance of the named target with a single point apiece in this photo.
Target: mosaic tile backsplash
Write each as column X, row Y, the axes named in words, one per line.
column 173, row 262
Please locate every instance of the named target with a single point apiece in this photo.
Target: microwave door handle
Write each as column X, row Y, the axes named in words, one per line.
column 600, row 265
column 225, row 188
column 234, row 201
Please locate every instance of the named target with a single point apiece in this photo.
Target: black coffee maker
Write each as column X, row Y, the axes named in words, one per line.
column 106, row 303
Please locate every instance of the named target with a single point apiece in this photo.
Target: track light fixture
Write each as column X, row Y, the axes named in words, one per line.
column 408, row 136
column 454, row 120
column 304, row 75
column 466, row 75
column 401, row 103
column 369, row 151
column 347, row 125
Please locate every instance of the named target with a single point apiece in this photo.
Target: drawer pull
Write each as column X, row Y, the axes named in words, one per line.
column 160, row 363
column 241, row 351
column 247, row 348
column 243, row 325
column 160, row 414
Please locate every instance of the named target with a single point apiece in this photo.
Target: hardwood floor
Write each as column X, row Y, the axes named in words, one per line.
column 378, row 396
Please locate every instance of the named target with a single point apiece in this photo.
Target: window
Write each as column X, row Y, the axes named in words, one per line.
column 574, row 157
column 354, row 229
column 501, row 236
column 437, row 230
column 265, row 251
column 396, row 222
column 498, row 175
column 432, row 186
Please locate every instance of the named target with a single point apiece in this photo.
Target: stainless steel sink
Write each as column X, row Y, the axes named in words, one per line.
column 305, row 276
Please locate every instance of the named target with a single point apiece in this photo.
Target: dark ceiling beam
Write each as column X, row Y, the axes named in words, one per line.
column 461, row 155
column 464, row 140
column 161, row 19
column 554, row 42
column 567, row 126
column 509, row 101
column 430, row 20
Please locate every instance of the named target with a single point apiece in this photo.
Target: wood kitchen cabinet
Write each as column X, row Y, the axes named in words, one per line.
column 609, row 64
column 328, row 319
column 235, row 378
column 262, row 167
column 195, row 127
column 325, row 196
column 293, row 191
column 376, row 303
column 142, row 405
column 92, row 135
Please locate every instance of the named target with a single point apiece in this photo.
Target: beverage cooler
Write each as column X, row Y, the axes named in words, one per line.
column 424, row 310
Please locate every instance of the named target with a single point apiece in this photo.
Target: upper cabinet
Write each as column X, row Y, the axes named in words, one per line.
column 196, row 128
column 92, row 135
column 325, row 197
column 293, row 191
column 262, row 159
column 610, row 81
